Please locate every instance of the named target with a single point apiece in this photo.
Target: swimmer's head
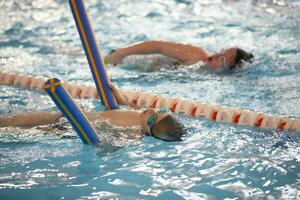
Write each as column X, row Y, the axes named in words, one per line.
column 242, row 55
column 162, row 125
column 232, row 58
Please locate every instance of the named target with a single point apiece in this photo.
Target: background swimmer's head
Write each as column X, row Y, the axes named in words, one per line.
column 241, row 55
column 232, row 57
column 164, row 126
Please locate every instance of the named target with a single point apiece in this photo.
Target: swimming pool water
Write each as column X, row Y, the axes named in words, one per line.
column 215, row 161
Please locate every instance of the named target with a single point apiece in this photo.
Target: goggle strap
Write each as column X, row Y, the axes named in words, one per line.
column 150, row 123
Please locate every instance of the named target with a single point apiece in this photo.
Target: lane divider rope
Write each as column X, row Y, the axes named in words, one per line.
column 213, row 112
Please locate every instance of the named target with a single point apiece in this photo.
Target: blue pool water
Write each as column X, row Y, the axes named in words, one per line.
column 215, row 161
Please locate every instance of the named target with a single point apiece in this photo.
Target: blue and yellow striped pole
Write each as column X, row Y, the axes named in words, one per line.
column 75, row 116
column 93, row 54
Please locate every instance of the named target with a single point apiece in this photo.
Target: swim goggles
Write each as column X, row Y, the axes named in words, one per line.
column 152, row 119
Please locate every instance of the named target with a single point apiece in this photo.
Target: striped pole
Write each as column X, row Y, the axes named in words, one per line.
column 93, row 55
column 74, row 115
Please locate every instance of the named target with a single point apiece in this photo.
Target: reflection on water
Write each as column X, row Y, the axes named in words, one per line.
column 215, row 161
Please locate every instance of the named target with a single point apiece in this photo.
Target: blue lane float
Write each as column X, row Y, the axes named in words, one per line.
column 93, row 55
column 75, row 116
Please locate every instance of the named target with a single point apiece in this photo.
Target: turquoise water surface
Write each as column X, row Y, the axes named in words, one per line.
column 215, row 160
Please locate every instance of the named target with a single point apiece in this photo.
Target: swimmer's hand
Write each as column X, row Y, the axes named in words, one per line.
column 120, row 98
column 114, row 57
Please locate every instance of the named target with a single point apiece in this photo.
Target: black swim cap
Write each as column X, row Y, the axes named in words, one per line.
column 242, row 55
column 169, row 129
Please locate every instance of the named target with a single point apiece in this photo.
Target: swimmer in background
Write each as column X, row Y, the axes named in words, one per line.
column 184, row 54
column 160, row 124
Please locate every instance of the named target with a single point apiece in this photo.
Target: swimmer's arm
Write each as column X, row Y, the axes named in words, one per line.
column 30, row 119
column 120, row 97
column 185, row 53
column 125, row 118
column 43, row 118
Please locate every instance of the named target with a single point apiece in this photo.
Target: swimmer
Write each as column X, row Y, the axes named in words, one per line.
column 160, row 124
column 185, row 54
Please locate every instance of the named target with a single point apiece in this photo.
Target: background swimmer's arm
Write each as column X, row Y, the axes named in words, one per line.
column 185, row 53
column 30, row 119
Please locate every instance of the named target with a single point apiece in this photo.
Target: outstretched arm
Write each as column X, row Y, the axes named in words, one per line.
column 30, row 119
column 43, row 118
column 40, row 118
column 118, row 117
column 185, row 53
